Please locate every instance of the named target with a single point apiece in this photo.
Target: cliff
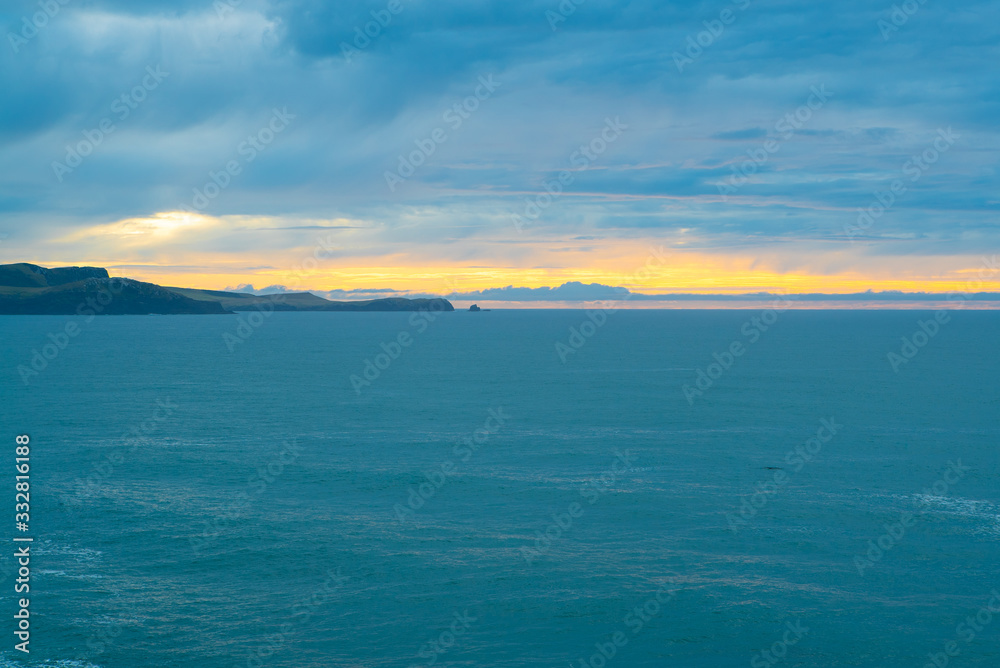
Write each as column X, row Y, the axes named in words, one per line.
column 28, row 289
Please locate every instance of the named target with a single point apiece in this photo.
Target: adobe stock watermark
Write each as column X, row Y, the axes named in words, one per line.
column 895, row 531
column 637, row 619
column 391, row 351
column 989, row 268
column 928, row 329
column 580, row 159
column 565, row 10
column 776, row 653
column 122, row 108
column 796, row 459
column 697, row 43
column 580, row 334
column 100, row 642
column 787, row 126
column 246, row 326
column 258, row 482
column 31, row 25
column 597, row 318
column 436, row 479
column 591, row 491
column 914, row 168
column 88, row 309
column 301, row 611
column 455, row 116
column 247, row 151
column 372, row 30
column 137, row 435
column 437, row 647
column 967, row 631
column 752, row 330
column 899, row 15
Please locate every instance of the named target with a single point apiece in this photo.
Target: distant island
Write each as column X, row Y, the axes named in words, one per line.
column 28, row 289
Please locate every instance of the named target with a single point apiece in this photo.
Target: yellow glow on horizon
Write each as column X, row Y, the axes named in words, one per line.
column 697, row 278
column 171, row 248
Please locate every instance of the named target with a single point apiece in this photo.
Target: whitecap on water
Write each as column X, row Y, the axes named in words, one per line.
column 984, row 511
column 59, row 663
column 80, row 554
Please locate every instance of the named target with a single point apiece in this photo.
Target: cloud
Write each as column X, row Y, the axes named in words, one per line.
column 571, row 291
column 749, row 133
column 354, row 119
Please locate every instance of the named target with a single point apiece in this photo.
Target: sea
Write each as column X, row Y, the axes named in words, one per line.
column 691, row 488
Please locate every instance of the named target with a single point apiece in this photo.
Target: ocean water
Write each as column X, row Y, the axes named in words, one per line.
column 482, row 502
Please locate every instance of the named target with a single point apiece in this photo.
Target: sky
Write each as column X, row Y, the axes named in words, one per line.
column 414, row 147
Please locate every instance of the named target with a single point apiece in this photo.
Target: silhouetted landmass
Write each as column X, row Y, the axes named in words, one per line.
column 97, row 296
column 307, row 301
column 241, row 301
column 28, row 289
column 24, row 275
